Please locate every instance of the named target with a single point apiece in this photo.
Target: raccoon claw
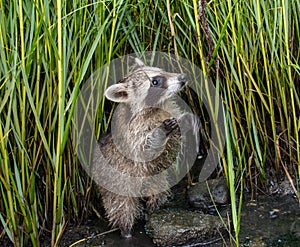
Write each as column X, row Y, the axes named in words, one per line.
column 169, row 125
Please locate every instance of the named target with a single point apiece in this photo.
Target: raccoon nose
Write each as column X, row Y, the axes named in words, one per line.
column 182, row 77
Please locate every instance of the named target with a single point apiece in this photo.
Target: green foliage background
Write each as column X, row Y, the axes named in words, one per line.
column 49, row 48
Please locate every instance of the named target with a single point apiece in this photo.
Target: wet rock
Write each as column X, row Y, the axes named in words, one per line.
column 171, row 227
column 199, row 195
column 282, row 188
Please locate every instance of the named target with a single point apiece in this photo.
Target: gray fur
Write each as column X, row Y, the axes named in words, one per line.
column 147, row 130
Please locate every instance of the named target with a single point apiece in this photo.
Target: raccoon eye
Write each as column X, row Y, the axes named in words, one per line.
column 158, row 81
column 155, row 82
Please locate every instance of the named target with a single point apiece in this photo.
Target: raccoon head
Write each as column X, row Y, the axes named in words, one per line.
column 146, row 86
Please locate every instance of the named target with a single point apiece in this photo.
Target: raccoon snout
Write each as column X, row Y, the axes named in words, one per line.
column 182, row 78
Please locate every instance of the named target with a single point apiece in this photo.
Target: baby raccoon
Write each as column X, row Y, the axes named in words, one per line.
column 146, row 140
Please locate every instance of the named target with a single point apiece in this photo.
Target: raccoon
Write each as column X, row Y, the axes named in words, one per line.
column 146, row 141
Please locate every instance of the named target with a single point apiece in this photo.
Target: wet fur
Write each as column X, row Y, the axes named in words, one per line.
column 144, row 130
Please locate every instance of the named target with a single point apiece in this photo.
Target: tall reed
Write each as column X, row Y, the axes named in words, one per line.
column 49, row 49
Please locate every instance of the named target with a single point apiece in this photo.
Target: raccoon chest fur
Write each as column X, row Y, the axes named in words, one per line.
column 129, row 148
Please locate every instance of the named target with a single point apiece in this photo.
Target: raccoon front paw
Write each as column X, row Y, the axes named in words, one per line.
column 169, row 125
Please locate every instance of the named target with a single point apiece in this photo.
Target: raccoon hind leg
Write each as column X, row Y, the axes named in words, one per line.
column 121, row 212
column 155, row 201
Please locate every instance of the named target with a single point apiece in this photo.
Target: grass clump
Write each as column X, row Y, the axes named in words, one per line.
column 49, row 49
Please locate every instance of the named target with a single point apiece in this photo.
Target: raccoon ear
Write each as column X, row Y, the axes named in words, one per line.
column 139, row 62
column 117, row 93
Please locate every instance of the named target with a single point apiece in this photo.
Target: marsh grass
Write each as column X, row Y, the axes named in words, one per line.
column 48, row 49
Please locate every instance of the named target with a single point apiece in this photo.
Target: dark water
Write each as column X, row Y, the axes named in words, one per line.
column 270, row 221
column 267, row 221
